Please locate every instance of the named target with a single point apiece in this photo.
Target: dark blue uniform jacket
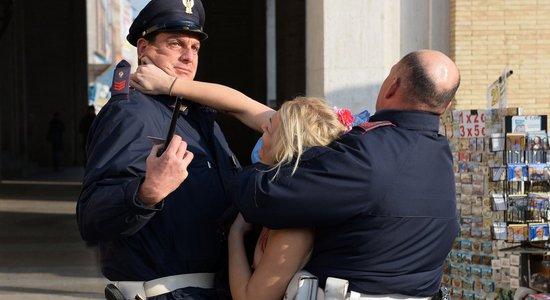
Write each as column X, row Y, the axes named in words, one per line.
column 382, row 203
column 180, row 235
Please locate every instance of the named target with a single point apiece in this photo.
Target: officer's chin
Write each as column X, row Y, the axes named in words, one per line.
column 186, row 75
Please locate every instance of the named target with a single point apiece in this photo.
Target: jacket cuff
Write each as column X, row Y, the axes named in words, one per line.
column 133, row 201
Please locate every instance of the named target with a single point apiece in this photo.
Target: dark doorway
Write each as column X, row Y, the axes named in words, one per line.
column 234, row 55
column 291, row 49
column 44, row 50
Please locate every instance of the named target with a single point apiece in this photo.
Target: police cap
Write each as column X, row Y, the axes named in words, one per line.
column 168, row 15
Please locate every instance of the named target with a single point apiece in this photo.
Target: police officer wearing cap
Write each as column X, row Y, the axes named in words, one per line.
column 155, row 214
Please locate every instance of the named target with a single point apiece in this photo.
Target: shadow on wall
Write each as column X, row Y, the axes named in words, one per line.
column 356, row 99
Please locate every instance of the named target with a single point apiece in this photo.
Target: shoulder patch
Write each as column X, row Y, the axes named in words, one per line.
column 368, row 126
column 121, row 79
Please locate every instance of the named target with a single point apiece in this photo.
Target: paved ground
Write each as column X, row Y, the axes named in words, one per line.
column 41, row 253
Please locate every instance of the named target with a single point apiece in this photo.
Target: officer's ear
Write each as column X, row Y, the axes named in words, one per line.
column 394, row 86
column 448, row 106
column 141, row 45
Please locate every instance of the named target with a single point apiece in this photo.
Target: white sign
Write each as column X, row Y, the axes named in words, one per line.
column 472, row 123
column 496, row 91
column 526, row 123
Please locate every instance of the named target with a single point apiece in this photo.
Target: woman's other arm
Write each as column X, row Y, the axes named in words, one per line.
column 286, row 252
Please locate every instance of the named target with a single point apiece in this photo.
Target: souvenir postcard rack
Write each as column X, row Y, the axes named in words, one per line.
column 525, row 191
column 502, row 183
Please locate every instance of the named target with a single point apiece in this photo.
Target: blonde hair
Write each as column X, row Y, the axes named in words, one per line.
column 304, row 122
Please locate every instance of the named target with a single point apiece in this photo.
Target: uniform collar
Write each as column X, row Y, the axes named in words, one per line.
column 170, row 101
column 408, row 119
column 193, row 109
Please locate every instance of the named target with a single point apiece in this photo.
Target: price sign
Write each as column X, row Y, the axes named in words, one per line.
column 472, row 123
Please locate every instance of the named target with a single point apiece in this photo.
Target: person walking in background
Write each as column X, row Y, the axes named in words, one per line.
column 84, row 127
column 56, row 129
column 155, row 214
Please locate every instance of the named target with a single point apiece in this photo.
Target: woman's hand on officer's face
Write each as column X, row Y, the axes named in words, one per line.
column 150, row 79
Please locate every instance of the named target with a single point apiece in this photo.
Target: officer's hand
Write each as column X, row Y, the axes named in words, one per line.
column 164, row 174
column 240, row 227
column 150, row 79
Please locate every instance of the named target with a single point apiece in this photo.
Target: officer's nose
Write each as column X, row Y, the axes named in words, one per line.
column 187, row 54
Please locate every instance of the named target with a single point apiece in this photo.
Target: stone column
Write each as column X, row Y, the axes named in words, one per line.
column 352, row 45
column 350, row 49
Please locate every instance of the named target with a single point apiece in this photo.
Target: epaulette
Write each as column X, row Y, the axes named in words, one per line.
column 368, row 126
column 121, row 80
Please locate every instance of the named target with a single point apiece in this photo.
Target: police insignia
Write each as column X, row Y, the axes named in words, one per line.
column 368, row 126
column 120, row 79
column 188, row 6
column 119, row 85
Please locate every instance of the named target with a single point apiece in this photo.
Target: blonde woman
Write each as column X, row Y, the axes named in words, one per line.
column 287, row 134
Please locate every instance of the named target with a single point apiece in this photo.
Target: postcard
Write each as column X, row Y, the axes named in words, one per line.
column 539, row 172
column 517, row 172
column 515, row 141
column 537, row 140
column 538, row 232
column 518, row 232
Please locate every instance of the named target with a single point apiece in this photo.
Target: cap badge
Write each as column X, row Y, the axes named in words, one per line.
column 188, row 6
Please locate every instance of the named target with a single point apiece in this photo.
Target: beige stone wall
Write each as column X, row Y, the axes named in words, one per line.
column 487, row 36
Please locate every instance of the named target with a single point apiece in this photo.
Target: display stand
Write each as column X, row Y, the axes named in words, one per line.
column 502, row 200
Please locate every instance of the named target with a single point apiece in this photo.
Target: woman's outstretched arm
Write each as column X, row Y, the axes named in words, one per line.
column 149, row 79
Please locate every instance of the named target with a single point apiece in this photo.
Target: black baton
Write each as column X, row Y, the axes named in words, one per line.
column 173, row 121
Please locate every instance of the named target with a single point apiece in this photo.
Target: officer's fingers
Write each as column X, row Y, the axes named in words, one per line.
column 154, row 150
column 187, row 158
column 181, row 149
column 174, row 144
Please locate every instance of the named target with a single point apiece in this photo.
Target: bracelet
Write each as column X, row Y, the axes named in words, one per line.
column 171, row 86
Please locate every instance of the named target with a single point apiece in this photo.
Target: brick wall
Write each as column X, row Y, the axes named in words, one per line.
column 487, row 36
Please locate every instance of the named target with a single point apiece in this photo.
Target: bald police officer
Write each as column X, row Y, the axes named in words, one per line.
column 381, row 198
column 155, row 217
